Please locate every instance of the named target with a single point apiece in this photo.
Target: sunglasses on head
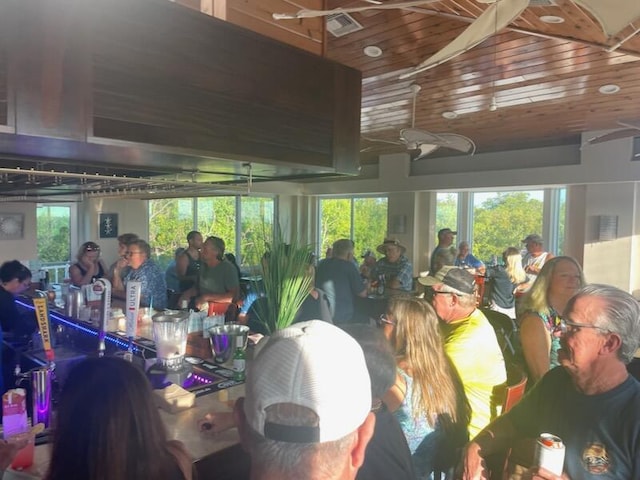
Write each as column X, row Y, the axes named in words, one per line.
column 92, row 248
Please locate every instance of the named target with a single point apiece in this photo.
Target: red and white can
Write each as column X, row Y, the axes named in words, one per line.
column 550, row 453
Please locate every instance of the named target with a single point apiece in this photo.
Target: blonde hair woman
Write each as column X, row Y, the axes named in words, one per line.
column 559, row 279
column 427, row 397
column 505, row 282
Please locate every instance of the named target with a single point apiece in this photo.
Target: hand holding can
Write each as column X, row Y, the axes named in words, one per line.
column 550, row 453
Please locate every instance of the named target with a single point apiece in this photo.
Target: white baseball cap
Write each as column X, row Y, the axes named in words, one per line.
column 315, row 365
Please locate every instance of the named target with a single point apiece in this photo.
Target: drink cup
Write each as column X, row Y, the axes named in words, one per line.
column 24, row 457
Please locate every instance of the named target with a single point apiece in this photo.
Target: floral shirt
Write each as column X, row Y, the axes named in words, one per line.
column 153, row 292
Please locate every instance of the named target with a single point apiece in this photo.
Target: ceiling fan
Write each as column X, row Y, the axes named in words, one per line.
column 421, row 143
column 631, row 129
column 613, row 15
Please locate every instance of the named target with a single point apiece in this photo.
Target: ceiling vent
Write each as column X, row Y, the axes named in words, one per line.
column 340, row 24
column 543, row 3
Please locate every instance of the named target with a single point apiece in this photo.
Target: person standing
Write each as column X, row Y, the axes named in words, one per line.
column 444, row 253
column 338, row 277
column 590, row 401
column 469, row 340
column 505, row 282
column 189, row 262
column 535, row 258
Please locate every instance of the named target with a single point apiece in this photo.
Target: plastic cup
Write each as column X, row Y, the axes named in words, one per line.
column 24, row 457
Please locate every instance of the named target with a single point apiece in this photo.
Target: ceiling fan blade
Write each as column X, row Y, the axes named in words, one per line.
column 630, row 124
column 383, row 140
column 615, row 135
column 613, row 15
column 457, row 142
column 417, row 137
column 494, row 18
column 424, row 150
column 324, row 13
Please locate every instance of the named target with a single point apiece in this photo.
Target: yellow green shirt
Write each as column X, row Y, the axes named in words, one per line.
column 472, row 346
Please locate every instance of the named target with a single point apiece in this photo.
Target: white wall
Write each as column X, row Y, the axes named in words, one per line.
column 132, row 218
column 25, row 249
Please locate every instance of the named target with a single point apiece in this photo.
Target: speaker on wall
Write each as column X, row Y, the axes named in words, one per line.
column 607, row 227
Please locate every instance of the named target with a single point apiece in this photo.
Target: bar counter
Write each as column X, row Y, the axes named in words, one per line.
column 216, row 456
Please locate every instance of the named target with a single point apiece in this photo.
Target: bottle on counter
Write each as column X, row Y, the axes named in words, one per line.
column 239, row 360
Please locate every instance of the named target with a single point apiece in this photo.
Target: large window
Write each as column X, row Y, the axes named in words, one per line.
column 493, row 221
column 446, row 211
column 361, row 219
column 54, row 225
column 503, row 219
column 256, row 227
column 244, row 223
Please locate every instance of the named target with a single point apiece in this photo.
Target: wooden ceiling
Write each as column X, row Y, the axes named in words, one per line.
column 545, row 77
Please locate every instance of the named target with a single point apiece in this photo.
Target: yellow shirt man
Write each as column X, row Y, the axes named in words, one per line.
column 472, row 346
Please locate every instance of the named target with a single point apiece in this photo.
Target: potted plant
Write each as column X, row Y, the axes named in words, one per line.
column 287, row 279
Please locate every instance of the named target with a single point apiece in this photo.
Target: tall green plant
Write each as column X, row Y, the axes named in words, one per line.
column 287, row 279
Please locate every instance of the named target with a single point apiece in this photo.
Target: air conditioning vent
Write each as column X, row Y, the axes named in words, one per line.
column 543, row 3
column 340, row 24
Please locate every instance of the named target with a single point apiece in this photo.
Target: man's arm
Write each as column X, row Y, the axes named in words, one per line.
column 497, row 437
column 182, row 263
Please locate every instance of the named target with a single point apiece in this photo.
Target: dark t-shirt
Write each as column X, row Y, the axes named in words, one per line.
column 387, row 456
column 601, row 432
column 501, row 287
column 342, row 282
column 20, row 324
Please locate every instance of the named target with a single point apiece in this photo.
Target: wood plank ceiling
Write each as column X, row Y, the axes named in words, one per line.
column 545, row 77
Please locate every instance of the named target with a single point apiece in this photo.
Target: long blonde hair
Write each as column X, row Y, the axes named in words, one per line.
column 536, row 299
column 513, row 265
column 416, row 340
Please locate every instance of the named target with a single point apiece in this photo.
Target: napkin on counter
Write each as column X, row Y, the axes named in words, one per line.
column 174, row 398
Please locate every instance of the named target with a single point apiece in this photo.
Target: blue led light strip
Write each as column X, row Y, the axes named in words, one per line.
column 121, row 343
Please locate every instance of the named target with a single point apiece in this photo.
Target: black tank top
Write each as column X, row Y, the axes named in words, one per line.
column 100, row 273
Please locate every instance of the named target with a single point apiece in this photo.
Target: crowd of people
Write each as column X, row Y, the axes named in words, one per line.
column 409, row 396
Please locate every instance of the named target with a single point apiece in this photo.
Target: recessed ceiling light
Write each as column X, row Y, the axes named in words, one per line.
column 372, row 51
column 449, row 115
column 609, row 89
column 551, row 19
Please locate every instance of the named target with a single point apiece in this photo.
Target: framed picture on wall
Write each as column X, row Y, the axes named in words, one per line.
column 108, row 225
column 11, row 226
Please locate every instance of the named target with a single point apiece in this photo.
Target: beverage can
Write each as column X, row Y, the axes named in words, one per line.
column 549, row 453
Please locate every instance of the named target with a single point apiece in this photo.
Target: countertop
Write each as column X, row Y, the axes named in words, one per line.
column 182, row 426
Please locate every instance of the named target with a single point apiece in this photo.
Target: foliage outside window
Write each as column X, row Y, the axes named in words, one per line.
column 446, row 211
column 361, row 219
column 171, row 219
column 217, row 216
column 256, row 228
column 53, row 232
column 503, row 219
column 562, row 217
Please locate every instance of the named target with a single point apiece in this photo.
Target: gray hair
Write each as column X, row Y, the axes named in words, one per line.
column 620, row 315
column 298, row 460
column 465, row 300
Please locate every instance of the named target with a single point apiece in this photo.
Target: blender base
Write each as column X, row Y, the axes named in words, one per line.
column 160, row 376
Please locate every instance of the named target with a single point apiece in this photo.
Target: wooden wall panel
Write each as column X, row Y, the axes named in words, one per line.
column 171, row 80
